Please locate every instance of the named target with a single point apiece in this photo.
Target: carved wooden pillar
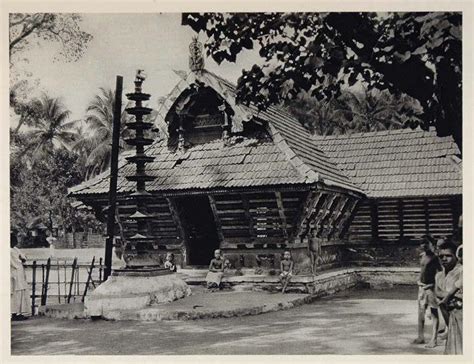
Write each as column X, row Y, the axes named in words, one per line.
column 281, row 212
column 217, row 219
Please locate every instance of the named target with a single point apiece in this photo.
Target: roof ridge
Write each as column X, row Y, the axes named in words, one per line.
column 293, row 158
column 375, row 133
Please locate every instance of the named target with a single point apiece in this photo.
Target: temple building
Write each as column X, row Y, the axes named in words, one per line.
column 255, row 183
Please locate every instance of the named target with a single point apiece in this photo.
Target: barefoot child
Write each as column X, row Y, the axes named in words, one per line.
column 286, row 268
column 170, row 264
column 430, row 265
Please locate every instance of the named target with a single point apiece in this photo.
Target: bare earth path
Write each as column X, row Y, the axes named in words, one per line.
column 353, row 322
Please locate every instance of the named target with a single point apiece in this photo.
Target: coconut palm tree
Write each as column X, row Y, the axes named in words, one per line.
column 52, row 129
column 97, row 143
column 371, row 110
column 320, row 117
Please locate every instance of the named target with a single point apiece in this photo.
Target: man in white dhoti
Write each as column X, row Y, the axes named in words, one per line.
column 19, row 304
column 216, row 271
column 51, row 241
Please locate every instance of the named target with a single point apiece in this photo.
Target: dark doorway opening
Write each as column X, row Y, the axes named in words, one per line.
column 200, row 228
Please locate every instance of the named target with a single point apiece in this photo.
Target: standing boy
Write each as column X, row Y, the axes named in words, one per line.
column 286, row 268
column 430, row 265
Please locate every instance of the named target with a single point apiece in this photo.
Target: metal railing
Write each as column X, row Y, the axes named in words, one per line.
column 61, row 281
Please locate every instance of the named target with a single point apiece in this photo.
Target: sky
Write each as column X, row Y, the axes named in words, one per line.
column 122, row 43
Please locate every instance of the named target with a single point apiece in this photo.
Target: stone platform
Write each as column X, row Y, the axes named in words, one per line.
column 247, row 294
column 124, row 292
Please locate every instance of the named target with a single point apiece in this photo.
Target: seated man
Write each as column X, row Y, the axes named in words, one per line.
column 216, row 271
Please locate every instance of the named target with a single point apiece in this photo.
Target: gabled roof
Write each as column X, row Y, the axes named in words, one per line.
column 293, row 157
column 397, row 163
column 287, row 131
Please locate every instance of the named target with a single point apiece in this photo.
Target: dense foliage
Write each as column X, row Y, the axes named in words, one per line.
column 417, row 54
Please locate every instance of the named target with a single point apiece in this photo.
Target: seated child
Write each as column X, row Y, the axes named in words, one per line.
column 170, row 264
column 286, row 268
column 216, row 271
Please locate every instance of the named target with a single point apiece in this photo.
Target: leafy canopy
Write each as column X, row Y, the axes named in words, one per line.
column 418, row 54
column 59, row 28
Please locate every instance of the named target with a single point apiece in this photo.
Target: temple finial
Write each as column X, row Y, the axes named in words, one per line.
column 196, row 58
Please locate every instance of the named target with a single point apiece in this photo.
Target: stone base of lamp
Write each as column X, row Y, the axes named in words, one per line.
column 134, row 290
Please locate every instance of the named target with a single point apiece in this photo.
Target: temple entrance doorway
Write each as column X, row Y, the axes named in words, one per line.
column 200, row 228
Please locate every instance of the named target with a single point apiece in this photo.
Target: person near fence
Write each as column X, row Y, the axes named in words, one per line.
column 51, row 241
column 216, row 271
column 19, row 303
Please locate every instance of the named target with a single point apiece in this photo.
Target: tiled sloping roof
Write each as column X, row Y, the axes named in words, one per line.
column 397, row 163
column 206, row 166
column 304, row 152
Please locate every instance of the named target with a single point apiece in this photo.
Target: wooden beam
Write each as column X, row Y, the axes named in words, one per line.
column 427, row 216
column 217, row 220
column 248, row 216
column 400, row 216
column 346, row 219
column 374, row 219
column 326, row 211
column 175, row 215
column 302, row 226
column 281, row 211
column 300, row 214
column 113, row 177
column 340, row 209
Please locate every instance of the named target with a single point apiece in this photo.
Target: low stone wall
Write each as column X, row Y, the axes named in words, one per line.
column 325, row 283
column 333, row 255
column 379, row 254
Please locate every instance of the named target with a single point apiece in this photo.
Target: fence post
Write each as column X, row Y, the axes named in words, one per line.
column 44, row 296
column 59, row 281
column 89, row 276
column 65, row 279
column 100, row 270
column 33, row 289
column 71, row 284
column 42, row 281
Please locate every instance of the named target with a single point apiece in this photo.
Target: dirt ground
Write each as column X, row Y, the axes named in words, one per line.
column 353, row 322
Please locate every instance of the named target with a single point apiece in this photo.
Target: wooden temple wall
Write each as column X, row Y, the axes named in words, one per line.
column 257, row 228
column 409, row 219
column 254, row 229
column 387, row 231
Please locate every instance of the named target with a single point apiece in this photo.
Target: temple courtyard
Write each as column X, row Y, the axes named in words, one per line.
column 355, row 321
